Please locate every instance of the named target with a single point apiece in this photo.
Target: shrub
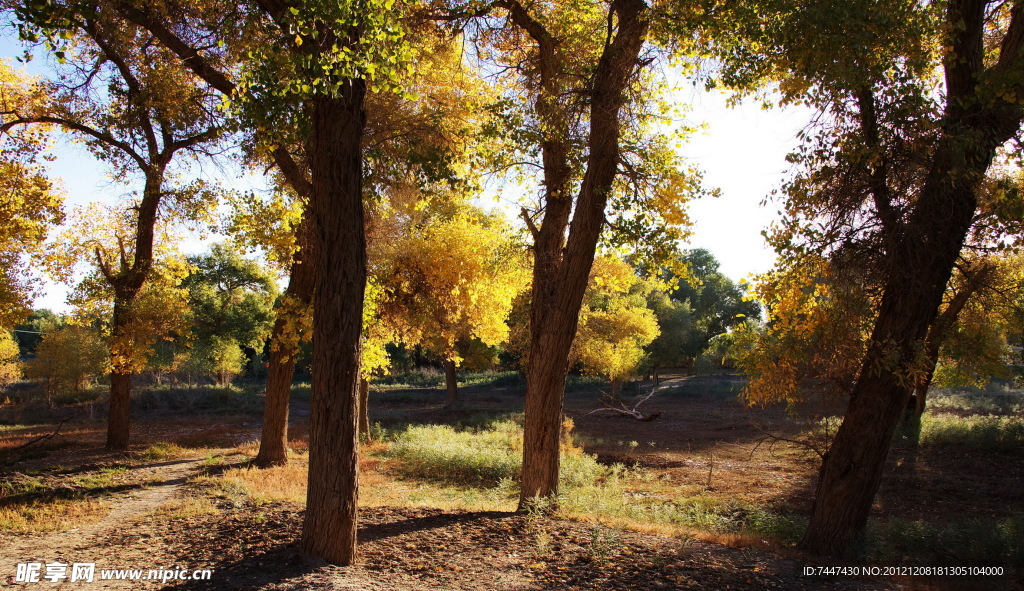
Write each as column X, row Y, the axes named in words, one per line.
column 484, row 456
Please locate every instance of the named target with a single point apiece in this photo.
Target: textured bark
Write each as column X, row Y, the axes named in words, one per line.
column 283, row 353
column 119, row 415
column 333, row 149
column 562, row 266
column 451, row 383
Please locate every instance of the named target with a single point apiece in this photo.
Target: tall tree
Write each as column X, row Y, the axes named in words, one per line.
column 580, row 66
column 148, row 111
column 29, row 202
column 899, row 172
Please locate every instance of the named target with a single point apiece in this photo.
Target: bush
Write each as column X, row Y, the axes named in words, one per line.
column 483, row 456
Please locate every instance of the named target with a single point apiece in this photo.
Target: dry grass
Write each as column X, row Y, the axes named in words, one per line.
column 52, row 514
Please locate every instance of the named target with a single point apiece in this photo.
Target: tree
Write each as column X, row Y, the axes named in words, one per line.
column 29, row 202
column 69, row 358
column 573, row 73
column 231, row 302
column 615, row 322
column 899, row 174
column 148, row 111
column 450, row 280
column 715, row 301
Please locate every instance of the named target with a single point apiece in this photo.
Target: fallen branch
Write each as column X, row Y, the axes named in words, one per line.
column 615, row 405
column 41, row 437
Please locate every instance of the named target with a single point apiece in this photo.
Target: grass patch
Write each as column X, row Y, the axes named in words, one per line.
column 976, row 402
column 163, row 450
column 279, row 483
column 985, row 433
column 483, row 456
column 51, row 514
column 977, row 542
column 187, row 508
column 105, row 478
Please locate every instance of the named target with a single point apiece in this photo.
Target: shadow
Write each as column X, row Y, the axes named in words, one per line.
column 65, row 493
column 282, row 565
column 371, row 532
column 270, row 569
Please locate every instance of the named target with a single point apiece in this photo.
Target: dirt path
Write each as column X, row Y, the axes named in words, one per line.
column 164, row 481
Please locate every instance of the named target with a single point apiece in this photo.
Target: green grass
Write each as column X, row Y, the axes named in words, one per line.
column 976, row 402
column 975, row 542
column 483, row 456
column 984, row 433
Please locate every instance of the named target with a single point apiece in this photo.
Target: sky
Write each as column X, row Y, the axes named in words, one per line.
column 740, row 149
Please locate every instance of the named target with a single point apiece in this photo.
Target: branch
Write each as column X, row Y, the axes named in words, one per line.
column 878, row 172
column 189, row 56
column 103, row 136
column 40, row 438
column 529, row 223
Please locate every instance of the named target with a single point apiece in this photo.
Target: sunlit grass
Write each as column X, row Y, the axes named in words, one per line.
column 985, row 433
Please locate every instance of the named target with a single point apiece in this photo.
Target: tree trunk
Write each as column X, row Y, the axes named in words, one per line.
column 364, row 410
column 937, row 334
column 616, row 387
column 119, row 413
column 333, row 149
column 451, row 383
column 274, row 439
column 284, row 349
column 918, row 269
column 561, row 266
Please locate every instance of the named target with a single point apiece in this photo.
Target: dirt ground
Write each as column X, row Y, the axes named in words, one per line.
column 703, row 440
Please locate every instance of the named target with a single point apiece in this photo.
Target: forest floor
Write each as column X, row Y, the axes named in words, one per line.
column 167, row 504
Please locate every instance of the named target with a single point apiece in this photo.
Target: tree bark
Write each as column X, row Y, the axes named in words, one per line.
column 283, row 352
column 119, row 415
column 451, row 383
column 333, row 149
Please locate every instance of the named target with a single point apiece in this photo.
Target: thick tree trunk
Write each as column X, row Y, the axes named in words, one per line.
column 119, row 413
column 451, row 383
column 283, row 351
column 364, row 409
column 616, row 384
column 333, row 149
